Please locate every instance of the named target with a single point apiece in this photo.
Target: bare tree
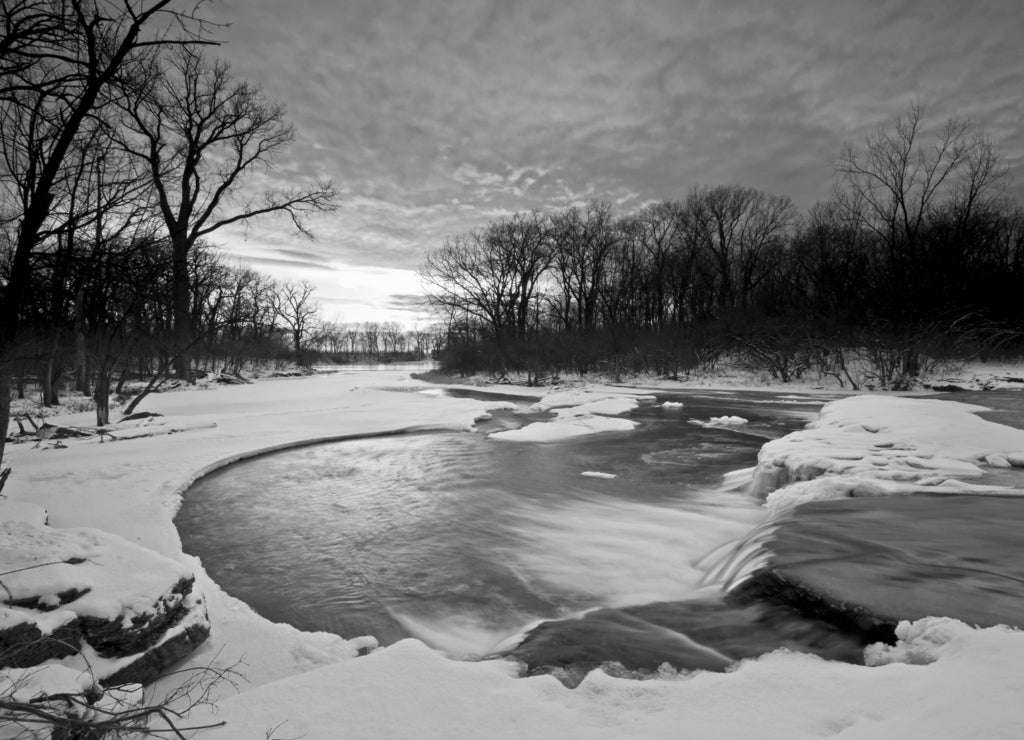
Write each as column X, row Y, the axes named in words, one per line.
column 582, row 240
column 391, row 336
column 203, row 134
column 295, row 307
column 60, row 62
column 491, row 276
column 370, row 335
column 742, row 231
column 901, row 177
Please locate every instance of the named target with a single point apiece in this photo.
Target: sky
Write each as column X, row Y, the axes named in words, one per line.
column 435, row 118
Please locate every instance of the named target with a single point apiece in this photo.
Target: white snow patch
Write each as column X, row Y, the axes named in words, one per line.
column 920, row 642
column 720, row 421
column 884, row 445
column 550, row 431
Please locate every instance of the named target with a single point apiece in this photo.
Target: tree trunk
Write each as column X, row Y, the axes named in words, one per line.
column 102, row 396
column 156, row 381
column 47, row 396
column 81, row 363
column 5, row 416
column 181, row 307
column 49, row 373
column 121, row 379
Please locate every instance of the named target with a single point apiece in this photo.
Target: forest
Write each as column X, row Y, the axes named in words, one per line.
column 125, row 146
column 915, row 258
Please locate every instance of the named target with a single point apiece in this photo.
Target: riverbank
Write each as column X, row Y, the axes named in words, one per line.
column 313, row 685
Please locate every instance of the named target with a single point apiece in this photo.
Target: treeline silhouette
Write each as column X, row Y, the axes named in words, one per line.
column 915, row 259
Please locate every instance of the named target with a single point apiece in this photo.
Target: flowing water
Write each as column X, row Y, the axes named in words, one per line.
column 465, row 542
column 469, row 543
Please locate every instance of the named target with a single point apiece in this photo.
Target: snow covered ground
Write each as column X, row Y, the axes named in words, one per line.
column 944, row 680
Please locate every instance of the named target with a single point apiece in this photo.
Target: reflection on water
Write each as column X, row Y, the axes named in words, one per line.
column 464, row 542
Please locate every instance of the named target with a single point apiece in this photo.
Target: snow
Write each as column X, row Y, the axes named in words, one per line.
column 921, row 642
column 578, row 412
column 45, row 685
column 562, row 428
column 944, row 679
column 22, row 511
column 119, row 578
column 884, row 445
column 720, row 421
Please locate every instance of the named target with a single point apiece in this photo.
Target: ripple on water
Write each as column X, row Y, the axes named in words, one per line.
column 464, row 542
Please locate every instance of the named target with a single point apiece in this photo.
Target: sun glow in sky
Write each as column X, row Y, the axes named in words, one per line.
column 435, row 118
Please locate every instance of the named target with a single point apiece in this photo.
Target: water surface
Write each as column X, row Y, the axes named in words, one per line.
column 464, row 541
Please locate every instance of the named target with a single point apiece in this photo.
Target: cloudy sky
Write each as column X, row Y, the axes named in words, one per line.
column 435, row 117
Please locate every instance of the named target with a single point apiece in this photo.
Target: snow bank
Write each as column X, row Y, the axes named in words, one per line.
column 884, row 445
column 972, row 691
column 304, row 684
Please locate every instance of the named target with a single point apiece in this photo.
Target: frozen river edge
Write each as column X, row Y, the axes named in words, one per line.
column 132, row 488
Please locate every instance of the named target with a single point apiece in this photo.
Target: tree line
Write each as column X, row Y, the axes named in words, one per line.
column 917, row 255
column 96, row 319
column 125, row 144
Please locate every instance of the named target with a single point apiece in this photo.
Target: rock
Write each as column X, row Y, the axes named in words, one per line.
column 23, row 643
column 709, row 634
column 176, row 643
column 80, row 590
column 867, row 564
column 132, row 633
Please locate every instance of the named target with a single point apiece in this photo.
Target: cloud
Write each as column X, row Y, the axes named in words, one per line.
column 435, row 118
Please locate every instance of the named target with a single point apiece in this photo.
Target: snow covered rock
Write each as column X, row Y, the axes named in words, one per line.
column 886, row 445
column 867, row 565
column 127, row 610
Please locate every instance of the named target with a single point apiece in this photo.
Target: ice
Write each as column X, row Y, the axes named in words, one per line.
column 920, row 642
column 720, row 421
column 884, row 445
column 577, row 413
column 551, row 431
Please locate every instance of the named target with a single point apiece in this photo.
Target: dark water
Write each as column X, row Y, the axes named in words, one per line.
column 464, row 542
column 468, row 543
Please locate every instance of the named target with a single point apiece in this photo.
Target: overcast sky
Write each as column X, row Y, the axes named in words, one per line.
column 435, row 117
